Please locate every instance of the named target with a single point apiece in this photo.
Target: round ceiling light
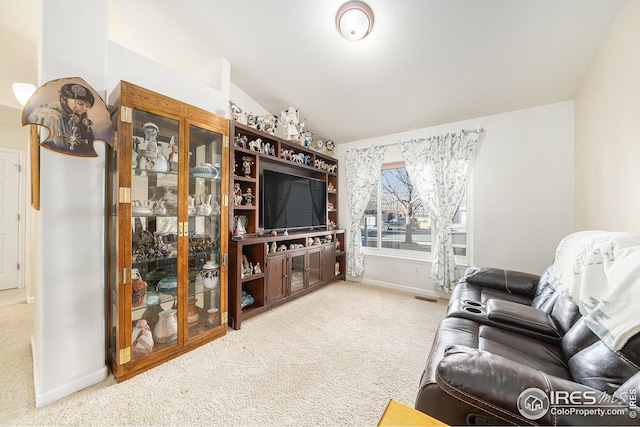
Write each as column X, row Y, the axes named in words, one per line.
column 354, row 20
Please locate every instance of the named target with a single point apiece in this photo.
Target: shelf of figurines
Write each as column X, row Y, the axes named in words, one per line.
column 253, row 141
column 306, row 238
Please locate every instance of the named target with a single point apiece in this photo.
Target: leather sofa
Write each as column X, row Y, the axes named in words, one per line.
column 512, row 350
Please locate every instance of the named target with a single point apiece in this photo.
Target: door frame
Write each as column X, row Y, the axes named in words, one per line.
column 23, row 241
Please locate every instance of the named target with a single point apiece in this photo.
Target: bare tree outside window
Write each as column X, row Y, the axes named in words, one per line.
column 400, row 200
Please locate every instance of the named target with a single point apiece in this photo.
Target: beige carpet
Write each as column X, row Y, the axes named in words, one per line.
column 333, row 357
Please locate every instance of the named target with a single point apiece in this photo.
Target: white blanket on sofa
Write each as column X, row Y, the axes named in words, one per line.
column 600, row 272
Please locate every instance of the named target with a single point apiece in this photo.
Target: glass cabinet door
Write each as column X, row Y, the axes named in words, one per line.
column 204, row 212
column 315, row 263
column 296, row 274
column 154, row 234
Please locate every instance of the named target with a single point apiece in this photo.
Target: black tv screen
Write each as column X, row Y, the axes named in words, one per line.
column 291, row 201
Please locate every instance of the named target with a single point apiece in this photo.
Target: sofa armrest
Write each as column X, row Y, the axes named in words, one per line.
column 510, row 281
column 521, row 316
column 496, row 385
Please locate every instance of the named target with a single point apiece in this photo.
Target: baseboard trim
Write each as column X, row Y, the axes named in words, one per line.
column 408, row 289
column 45, row 398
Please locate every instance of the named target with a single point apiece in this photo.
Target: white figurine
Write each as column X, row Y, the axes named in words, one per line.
column 290, row 119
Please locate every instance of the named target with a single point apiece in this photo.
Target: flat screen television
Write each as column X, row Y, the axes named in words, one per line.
column 292, row 202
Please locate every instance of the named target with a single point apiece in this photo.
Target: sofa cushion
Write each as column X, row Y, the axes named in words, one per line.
column 519, row 348
column 523, row 349
column 564, row 313
column 592, row 363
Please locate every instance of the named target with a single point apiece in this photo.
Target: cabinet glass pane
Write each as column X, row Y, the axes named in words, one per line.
column 154, row 228
column 297, row 272
column 204, row 189
column 314, row 266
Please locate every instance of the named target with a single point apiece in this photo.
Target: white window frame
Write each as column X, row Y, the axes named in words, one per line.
column 418, row 255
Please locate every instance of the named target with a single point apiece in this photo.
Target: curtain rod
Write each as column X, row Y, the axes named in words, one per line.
column 479, row 130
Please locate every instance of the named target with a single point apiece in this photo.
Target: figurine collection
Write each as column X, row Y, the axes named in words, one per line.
column 291, row 124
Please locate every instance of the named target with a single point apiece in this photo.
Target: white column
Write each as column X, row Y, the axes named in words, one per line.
column 69, row 324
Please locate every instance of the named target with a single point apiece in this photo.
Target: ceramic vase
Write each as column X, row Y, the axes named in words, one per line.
column 210, row 275
column 213, row 317
column 138, row 288
column 141, row 340
column 167, row 327
column 192, row 312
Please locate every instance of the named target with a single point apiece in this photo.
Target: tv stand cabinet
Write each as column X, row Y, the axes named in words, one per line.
column 301, row 263
column 288, row 265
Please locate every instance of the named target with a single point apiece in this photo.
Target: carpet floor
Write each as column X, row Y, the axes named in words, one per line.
column 333, row 357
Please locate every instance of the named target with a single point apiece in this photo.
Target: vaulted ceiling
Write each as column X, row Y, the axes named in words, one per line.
column 426, row 62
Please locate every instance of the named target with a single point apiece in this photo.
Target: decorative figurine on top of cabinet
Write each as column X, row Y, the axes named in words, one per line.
column 268, row 123
column 252, row 120
column 247, row 162
column 330, row 145
column 306, row 138
column 235, row 111
column 290, row 119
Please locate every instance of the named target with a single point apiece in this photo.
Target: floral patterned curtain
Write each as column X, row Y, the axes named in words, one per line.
column 439, row 168
column 363, row 170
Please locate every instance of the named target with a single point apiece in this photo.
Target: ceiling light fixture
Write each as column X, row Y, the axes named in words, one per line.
column 354, row 20
column 23, row 91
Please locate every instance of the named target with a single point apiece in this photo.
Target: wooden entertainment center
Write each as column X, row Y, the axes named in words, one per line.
column 275, row 269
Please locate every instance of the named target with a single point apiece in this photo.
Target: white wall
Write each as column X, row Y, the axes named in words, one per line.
column 124, row 64
column 607, row 129
column 13, row 134
column 521, row 195
column 69, row 318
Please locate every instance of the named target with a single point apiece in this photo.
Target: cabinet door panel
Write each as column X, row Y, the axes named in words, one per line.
column 314, row 267
column 328, row 261
column 277, row 278
column 203, row 209
column 154, row 231
column 297, row 272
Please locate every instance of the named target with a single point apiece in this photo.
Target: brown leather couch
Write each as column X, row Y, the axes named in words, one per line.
column 513, row 351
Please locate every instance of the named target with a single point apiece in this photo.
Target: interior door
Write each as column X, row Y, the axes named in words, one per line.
column 9, row 220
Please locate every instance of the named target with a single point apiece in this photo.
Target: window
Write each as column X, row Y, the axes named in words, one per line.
column 395, row 221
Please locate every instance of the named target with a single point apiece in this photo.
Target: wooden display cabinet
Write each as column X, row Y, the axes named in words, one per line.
column 167, row 235
column 302, row 260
